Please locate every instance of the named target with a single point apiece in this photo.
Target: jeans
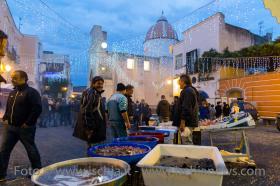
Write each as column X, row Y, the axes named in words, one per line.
column 118, row 129
column 11, row 135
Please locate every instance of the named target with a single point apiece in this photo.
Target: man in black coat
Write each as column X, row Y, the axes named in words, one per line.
column 22, row 111
column 219, row 110
column 226, row 109
column 91, row 123
column 174, row 110
column 187, row 106
column 130, row 104
column 163, row 110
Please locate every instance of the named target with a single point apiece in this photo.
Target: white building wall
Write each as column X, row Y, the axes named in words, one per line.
column 26, row 46
column 234, row 38
column 214, row 33
column 158, row 47
column 149, row 85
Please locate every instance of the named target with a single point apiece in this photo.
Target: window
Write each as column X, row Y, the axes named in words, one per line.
column 191, row 59
column 130, row 64
column 147, row 66
column 179, row 61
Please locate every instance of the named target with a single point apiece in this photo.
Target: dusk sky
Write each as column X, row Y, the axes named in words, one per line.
column 63, row 26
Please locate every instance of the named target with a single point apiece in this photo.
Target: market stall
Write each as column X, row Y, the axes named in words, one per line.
column 233, row 125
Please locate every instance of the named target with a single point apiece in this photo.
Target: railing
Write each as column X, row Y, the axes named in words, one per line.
column 237, row 67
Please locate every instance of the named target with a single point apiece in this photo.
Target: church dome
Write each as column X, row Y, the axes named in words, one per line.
column 161, row 30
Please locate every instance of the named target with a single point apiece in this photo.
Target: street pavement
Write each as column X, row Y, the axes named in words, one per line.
column 57, row 144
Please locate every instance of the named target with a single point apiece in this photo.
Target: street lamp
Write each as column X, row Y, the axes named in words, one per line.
column 169, row 82
column 64, row 89
column 104, row 45
column 8, row 68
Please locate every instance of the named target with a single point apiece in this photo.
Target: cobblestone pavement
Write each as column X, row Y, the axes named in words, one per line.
column 57, row 144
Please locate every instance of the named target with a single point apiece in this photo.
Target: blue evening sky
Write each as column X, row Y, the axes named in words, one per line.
column 63, row 26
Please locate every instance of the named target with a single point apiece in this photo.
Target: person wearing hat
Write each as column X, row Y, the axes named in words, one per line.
column 117, row 107
column 91, row 122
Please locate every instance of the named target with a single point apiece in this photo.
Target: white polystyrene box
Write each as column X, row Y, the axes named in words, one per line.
column 165, row 176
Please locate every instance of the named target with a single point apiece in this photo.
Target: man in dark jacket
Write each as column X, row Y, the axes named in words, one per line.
column 188, row 106
column 219, row 110
column 226, row 109
column 174, row 111
column 163, row 110
column 130, row 110
column 22, row 111
column 146, row 114
column 137, row 113
column 91, row 123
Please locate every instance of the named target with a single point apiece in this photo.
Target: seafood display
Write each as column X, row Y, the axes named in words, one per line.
column 119, row 151
column 187, row 163
column 83, row 174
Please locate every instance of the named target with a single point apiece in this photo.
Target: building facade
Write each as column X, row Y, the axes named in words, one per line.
column 151, row 74
column 212, row 33
column 23, row 51
column 54, row 75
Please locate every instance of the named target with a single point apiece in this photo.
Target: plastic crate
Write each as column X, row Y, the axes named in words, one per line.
column 158, row 135
column 132, row 159
column 166, row 176
column 145, row 140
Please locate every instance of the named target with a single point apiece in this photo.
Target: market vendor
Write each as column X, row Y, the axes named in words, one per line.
column 187, row 107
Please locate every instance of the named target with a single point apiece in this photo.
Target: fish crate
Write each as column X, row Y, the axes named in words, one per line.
column 166, row 176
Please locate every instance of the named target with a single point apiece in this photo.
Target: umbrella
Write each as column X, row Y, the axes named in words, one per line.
column 203, row 95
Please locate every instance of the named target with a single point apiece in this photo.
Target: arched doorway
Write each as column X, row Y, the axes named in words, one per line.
column 235, row 93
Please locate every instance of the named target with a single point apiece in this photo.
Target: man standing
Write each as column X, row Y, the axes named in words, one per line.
column 163, row 110
column 117, row 112
column 22, row 111
column 174, row 111
column 188, row 106
column 146, row 114
column 128, row 95
column 91, row 123
column 219, row 110
column 226, row 109
column 136, row 114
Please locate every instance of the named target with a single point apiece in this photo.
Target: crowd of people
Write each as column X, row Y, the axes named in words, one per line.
column 210, row 111
column 94, row 115
column 120, row 114
column 58, row 112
